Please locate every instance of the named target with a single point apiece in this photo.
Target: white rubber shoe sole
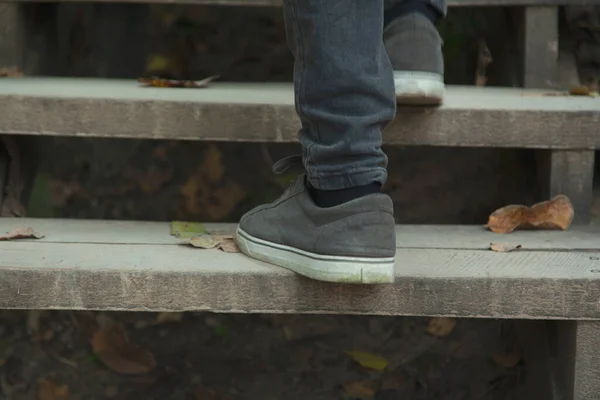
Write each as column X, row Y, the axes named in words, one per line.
column 316, row 266
column 419, row 88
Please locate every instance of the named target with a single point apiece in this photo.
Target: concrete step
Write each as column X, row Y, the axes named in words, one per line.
column 441, row 271
column 471, row 116
column 451, row 3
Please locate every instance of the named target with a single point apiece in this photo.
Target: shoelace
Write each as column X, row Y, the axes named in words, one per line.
column 287, row 163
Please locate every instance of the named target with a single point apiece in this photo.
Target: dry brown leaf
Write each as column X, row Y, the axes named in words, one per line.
column 224, row 242
column 229, row 245
column 21, row 233
column 584, row 90
column 13, row 72
column 111, row 345
column 359, row 390
column 553, row 214
column 164, row 317
column 50, row 390
column 508, row 360
column 204, row 242
column 440, row 327
column 504, row 247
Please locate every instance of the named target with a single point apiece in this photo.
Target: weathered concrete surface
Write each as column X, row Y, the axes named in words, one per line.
column 265, row 113
column 111, row 275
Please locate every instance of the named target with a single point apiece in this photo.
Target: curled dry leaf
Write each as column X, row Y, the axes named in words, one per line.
column 440, row 327
column 584, row 90
column 553, row 214
column 229, row 245
column 368, row 360
column 504, row 247
column 111, row 345
column 21, row 233
column 224, row 242
column 359, row 390
column 50, row 390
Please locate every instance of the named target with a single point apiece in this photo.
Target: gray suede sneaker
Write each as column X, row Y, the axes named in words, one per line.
column 415, row 50
column 354, row 242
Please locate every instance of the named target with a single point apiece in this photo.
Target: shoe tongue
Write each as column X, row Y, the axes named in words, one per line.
column 287, row 163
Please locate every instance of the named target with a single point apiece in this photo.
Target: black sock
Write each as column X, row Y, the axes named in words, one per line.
column 411, row 6
column 332, row 198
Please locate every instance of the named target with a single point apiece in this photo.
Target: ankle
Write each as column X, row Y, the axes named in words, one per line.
column 332, row 198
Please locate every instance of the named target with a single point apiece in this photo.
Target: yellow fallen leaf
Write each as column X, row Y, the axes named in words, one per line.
column 504, row 247
column 187, row 230
column 49, row 390
column 111, row 345
column 368, row 360
column 508, row 360
column 359, row 390
column 440, row 327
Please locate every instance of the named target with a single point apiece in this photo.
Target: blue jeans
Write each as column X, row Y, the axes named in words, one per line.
column 344, row 89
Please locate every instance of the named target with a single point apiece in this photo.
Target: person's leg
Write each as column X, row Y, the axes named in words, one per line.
column 415, row 49
column 333, row 223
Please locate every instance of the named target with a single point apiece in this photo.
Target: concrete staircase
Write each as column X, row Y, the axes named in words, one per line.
column 442, row 270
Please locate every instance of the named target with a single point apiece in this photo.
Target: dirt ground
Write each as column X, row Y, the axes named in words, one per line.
column 202, row 356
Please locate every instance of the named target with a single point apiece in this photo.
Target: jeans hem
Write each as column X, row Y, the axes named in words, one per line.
column 348, row 180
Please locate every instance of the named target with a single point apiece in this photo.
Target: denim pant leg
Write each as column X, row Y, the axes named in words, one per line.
column 344, row 89
column 439, row 5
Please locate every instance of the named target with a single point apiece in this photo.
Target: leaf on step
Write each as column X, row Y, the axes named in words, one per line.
column 165, row 317
column 229, row 245
column 359, row 390
column 224, row 242
column 173, row 83
column 50, row 390
column 204, row 242
column 508, row 360
column 557, row 213
column 368, row 360
column 111, row 345
column 504, row 247
column 21, row 233
column 584, row 90
column 13, row 72
column 187, row 230
column 441, row 327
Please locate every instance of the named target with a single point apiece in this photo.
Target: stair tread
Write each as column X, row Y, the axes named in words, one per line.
column 441, row 270
column 471, row 116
